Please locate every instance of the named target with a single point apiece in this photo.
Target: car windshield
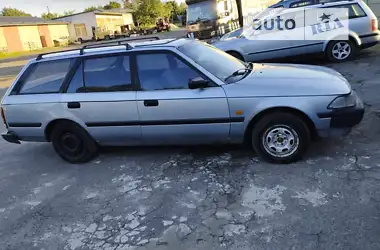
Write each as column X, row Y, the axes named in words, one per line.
column 217, row 62
column 201, row 11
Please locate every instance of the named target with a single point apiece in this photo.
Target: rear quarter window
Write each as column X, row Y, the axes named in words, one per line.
column 354, row 10
column 44, row 77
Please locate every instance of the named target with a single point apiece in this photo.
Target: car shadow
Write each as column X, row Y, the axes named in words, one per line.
column 317, row 59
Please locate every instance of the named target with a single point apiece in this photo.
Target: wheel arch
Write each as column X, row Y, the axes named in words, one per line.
column 50, row 126
column 351, row 36
column 310, row 124
column 236, row 52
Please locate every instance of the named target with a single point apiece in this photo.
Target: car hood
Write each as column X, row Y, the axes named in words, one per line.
column 290, row 80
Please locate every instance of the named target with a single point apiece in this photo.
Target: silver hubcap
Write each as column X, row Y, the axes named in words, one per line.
column 280, row 141
column 341, row 50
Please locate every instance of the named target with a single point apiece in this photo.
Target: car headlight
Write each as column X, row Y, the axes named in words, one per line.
column 213, row 33
column 344, row 101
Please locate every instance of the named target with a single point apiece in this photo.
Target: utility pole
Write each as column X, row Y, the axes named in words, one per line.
column 48, row 9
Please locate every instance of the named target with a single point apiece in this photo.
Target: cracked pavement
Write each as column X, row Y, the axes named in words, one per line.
column 200, row 197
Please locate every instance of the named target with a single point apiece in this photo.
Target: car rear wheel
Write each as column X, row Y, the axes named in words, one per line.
column 340, row 51
column 280, row 137
column 236, row 55
column 72, row 143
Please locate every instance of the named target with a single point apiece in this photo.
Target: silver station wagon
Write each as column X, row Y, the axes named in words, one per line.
column 363, row 33
column 175, row 91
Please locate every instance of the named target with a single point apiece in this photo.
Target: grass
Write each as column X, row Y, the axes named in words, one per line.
column 29, row 53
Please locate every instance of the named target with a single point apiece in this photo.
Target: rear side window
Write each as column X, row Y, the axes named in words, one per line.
column 45, row 77
column 354, row 10
column 107, row 74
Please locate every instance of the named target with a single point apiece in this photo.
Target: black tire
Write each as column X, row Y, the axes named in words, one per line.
column 285, row 122
column 107, row 38
column 72, row 143
column 80, row 40
column 236, row 55
column 333, row 57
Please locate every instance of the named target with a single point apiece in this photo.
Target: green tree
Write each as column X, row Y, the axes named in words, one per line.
column 112, row 5
column 68, row 12
column 167, row 10
column 182, row 9
column 148, row 11
column 49, row 16
column 92, row 8
column 131, row 4
column 13, row 12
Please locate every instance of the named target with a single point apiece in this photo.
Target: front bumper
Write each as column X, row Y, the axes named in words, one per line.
column 10, row 137
column 345, row 117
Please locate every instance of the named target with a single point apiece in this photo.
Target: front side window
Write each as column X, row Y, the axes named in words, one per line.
column 46, row 77
column 160, row 71
column 107, row 74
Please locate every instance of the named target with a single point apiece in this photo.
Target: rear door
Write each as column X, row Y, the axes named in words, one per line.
column 170, row 112
column 102, row 94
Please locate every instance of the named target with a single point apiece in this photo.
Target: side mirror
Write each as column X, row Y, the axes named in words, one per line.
column 198, row 83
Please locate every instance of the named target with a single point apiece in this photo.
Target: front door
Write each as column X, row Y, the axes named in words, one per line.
column 170, row 112
column 102, row 96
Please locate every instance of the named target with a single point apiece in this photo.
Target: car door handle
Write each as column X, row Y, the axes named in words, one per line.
column 73, row 105
column 150, row 103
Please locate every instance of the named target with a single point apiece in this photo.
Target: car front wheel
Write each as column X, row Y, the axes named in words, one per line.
column 280, row 137
column 72, row 143
column 340, row 51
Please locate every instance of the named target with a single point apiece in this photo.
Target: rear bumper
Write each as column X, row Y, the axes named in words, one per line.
column 10, row 137
column 370, row 40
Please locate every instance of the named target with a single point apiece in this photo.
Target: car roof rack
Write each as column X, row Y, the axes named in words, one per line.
column 101, row 45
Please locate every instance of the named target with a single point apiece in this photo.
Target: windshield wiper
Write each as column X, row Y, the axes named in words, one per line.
column 243, row 71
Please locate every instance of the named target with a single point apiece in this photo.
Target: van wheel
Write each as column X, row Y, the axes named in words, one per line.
column 340, row 51
column 280, row 137
column 236, row 55
column 72, row 143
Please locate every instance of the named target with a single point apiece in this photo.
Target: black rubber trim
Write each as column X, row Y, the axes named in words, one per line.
column 166, row 122
column 25, row 125
column 299, row 46
column 370, row 35
column 344, row 118
column 12, row 138
column 369, row 45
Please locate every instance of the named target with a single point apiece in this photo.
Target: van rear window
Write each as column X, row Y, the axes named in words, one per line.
column 45, row 77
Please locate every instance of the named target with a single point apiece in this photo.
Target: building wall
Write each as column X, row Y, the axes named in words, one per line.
column 30, row 37
column 57, row 31
column 128, row 18
column 109, row 22
column 12, row 37
column 3, row 41
column 88, row 19
column 44, row 31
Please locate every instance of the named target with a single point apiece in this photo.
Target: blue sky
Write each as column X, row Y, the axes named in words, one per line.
column 37, row 7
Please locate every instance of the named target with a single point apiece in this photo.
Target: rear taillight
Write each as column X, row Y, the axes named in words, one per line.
column 374, row 25
column 3, row 117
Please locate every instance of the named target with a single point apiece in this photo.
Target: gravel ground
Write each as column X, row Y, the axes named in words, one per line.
column 200, row 197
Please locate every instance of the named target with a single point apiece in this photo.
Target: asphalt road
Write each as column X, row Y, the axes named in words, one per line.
column 200, row 197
